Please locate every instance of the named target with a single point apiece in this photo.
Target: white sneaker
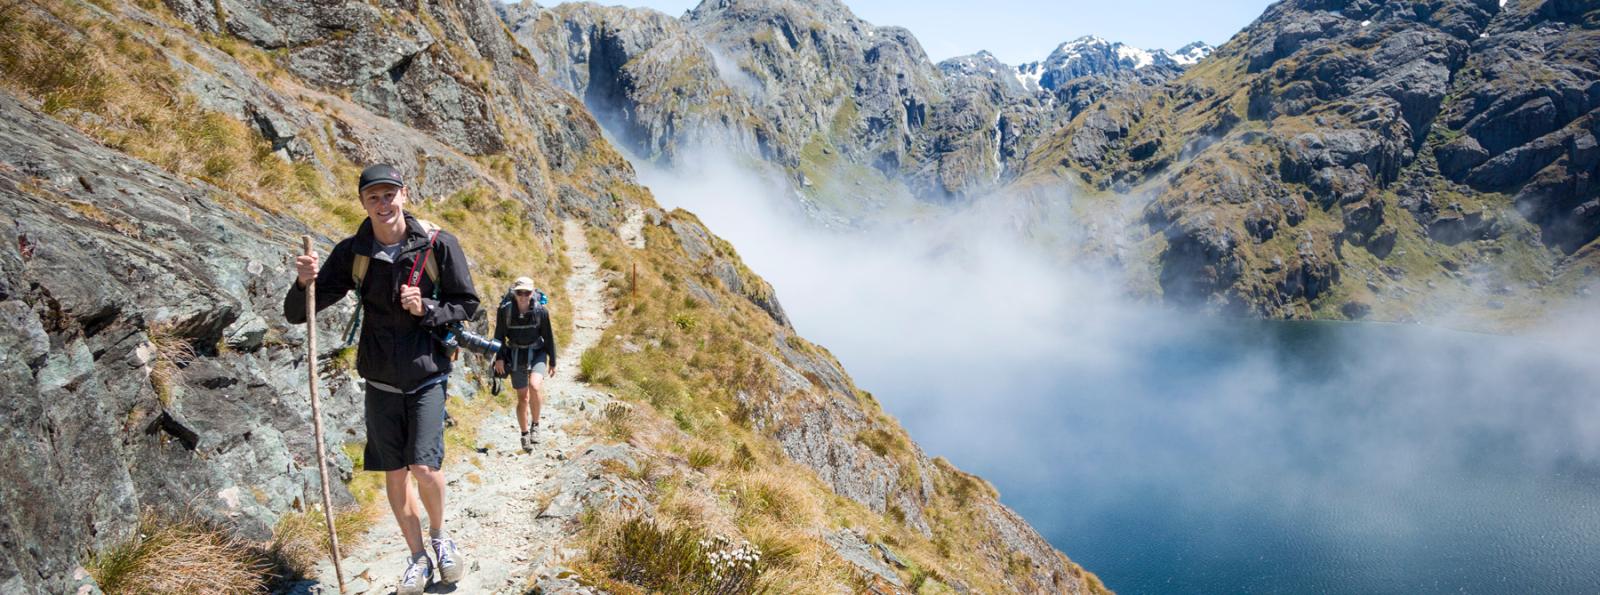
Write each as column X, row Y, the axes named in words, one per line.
column 451, row 565
column 419, row 572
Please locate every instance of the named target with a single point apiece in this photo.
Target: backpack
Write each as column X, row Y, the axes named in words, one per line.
column 508, row 304
column 358, row 273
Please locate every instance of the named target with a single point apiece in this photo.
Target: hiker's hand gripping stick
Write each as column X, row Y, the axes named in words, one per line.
column 305, row 268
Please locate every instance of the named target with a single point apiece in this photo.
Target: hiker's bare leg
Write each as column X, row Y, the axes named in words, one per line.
column 430, row 483
column 536, row 388
column 404, row 506
column 523, row 407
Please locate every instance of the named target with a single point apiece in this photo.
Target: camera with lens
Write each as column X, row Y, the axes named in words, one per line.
column 455, row 336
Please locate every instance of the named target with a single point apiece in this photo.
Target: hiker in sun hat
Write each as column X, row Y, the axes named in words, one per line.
column 411, row 281
column 523, row 323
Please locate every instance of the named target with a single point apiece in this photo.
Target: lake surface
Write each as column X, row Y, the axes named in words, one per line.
column 1175, row 453
column 1251, row 457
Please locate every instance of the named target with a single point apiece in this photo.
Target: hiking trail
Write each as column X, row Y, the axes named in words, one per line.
column 493, row 503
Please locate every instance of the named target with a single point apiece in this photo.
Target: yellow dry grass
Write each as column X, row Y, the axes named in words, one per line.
column 300, row 539
column 180, row 555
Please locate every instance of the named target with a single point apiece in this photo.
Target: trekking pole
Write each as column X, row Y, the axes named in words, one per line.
column 316, row 414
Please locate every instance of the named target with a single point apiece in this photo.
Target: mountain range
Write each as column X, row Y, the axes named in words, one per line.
column 1401, row 160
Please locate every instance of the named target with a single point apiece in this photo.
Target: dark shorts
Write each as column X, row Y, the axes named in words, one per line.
column 526, row 362
column 405, row 429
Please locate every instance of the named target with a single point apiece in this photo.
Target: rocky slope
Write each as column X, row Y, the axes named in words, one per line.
column 1340, row 158
column 158, row 162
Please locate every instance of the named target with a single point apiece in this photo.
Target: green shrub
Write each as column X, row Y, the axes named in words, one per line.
column 685, row 321
column 701, row 458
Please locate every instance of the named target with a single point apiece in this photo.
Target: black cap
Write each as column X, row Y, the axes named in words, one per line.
column 381, row 173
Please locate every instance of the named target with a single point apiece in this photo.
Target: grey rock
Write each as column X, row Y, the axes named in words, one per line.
column 94, row 290
column 855, row 550
column 889, row 556
column 583, row 484
column 1460, row 155
column 561, row 581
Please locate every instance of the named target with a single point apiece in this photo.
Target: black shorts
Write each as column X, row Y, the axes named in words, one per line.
column 528, row 361
column 405, row 430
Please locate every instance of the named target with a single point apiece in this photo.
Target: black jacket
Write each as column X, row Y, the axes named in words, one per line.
column 525, row 330
column 396, row 348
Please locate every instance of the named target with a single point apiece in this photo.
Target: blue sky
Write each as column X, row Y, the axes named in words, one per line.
column 1019, row 31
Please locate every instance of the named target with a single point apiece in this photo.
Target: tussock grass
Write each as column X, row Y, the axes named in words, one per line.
column 300, row 539
column 700, row 458
column 180, row 555
column 594, row 367
column 170, row 352
column 771, row 495
column 50, row 62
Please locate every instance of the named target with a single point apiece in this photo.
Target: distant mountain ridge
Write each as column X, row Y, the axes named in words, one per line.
column 1091, row 55
column 820, row 93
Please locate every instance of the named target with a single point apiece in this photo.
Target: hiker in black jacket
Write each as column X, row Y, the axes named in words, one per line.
column 523, row 324
column 414, row 284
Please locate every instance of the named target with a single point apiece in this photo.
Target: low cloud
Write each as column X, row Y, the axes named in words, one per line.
column 1077, row 400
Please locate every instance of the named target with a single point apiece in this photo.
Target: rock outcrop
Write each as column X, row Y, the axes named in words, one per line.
column 118, row 264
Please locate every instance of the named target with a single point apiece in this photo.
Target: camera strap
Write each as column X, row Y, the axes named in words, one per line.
column 419, row 265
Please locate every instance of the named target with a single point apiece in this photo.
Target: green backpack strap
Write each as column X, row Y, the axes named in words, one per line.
column 358, row 273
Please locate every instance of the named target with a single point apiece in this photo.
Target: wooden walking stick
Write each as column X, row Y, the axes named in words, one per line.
column 316, row 414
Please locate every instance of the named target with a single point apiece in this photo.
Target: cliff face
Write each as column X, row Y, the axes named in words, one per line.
column 158, row 163
column 808, row 87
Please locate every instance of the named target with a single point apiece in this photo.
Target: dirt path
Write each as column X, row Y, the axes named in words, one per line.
column 493, row 505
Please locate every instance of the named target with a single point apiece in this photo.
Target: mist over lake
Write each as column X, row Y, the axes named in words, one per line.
column 1174, row 452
